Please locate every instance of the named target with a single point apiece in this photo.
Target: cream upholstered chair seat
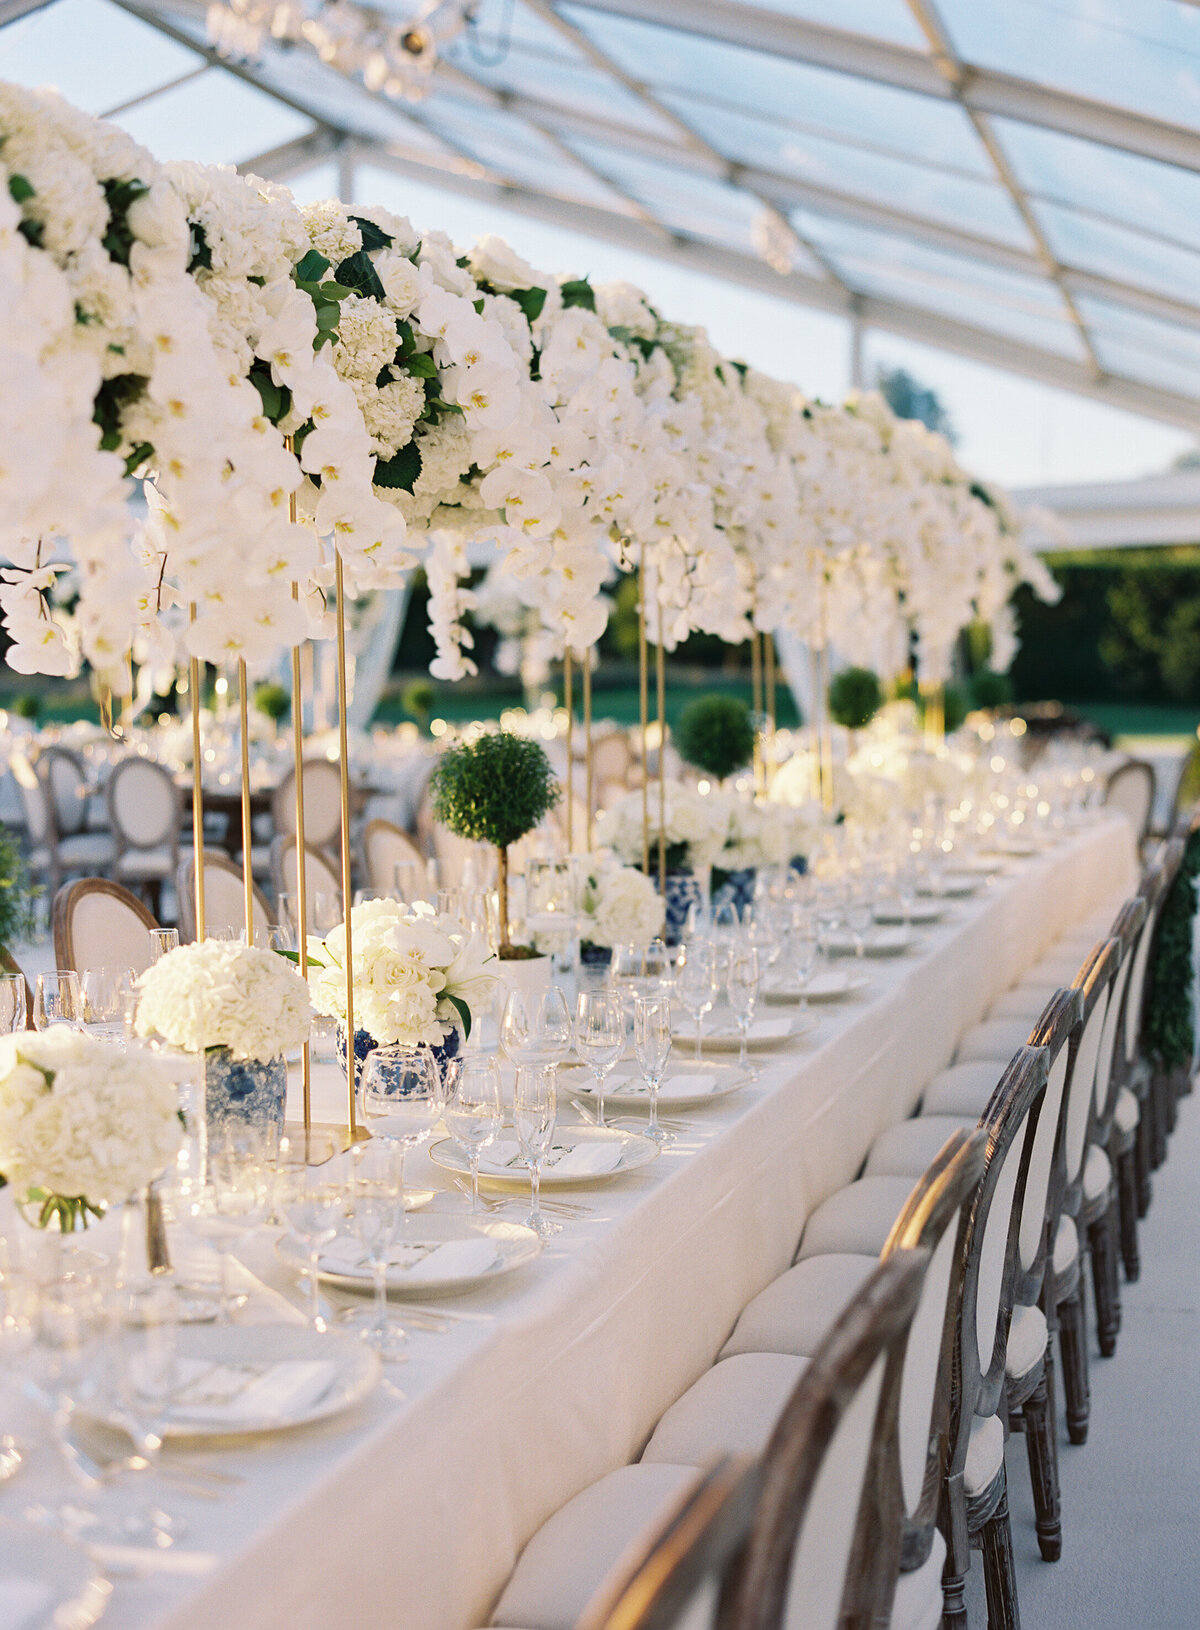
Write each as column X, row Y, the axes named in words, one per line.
column 83, row 852
column 1126, row 1112
column 137, row 864
column 906, row 1149
column 1028, row 1334
column 794, row 1313
column 857, row 1219
column 963, row 1089
column 996, row 1039
column 1056, row 970
column 1097, row 1173
column 1023, row 1001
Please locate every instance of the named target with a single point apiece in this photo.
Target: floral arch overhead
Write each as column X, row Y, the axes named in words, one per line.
column 299, row 391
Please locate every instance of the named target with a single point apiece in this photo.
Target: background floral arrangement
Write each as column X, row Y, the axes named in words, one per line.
column 619, row 906
column 696, row 826
column 217, row 994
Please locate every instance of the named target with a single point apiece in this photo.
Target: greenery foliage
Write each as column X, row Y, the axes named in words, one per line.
column 855, row 697
column 716, row 734
column 955, row 706
column 494, row 789
column 28, row 705
column 417, row 699
column 16, row 896
column 990, row 689
column 909, row 399
column 1169, row 1032
column 272, row 701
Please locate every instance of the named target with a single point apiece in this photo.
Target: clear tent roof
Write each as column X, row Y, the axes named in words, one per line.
column 1014, row 180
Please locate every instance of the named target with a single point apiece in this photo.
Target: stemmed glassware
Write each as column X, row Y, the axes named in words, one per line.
column 697, row 982
column 399, row 1098
column 473, row 1115
column 163, row 940
column 535, row 1110
column 311, row 1207
column 237, row 1197
column 599, row 1037
column 377, row 1213
column 741, row 984
column 104, row 993
column 652, row 1044
column 802, row 948
column 536, row 1027
column 57, row 999
column 12, row 1003
column 145, row 1333
column 860, row 915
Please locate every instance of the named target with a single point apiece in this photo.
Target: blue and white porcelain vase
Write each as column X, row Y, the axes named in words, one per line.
column 595, row 956
column 365, row 1043
column 681, row 891
column 734, row 889
column 243, row 1092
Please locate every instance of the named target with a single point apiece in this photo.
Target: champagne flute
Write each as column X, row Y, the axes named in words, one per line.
column 697, row 982
column 377, row 1213
column 12, row 1003
column 860, row 916
column 472, row 1113
column 162, row 942
column 534, row 1116
column 802, row 943
column 742, row 988
column 599, row 1037
column 652, row 1043
column 399, row 1098
column 57, row 999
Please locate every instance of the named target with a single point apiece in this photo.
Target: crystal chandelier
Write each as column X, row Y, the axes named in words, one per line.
column 395, row 58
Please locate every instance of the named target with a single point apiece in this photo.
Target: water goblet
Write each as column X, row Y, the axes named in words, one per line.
column 697, row 982
column 377, row 1215
column 472, row 1113
column 162, row 941
column 652, row 1044
column 144, row 1339
column 311, row 1207
column 860, row 915
column 802, row 948
column 399, row 1098
column 103, row 992
column 535, row 1109
column 536, row 1027
column 741, row 985
column 599, row 1037
column 13, row 1016
column 236, row 1199
column 57, row 999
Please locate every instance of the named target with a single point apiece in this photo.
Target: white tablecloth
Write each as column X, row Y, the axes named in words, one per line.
column 409, row 1513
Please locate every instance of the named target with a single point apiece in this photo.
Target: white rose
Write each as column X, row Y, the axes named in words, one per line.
column 494, row 261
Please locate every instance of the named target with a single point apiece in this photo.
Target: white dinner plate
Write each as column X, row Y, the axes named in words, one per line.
column 684, row 1086
column 325, row 1374
column 632, row 1150
column 955, row 885
column 723, row 1037
column 987, row 865
column 46, row 1582
column 827, row 986
column 415, row 1270
column 877, row 942
column 921, row 911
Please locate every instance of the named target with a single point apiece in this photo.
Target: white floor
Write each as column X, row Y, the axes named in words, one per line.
column 1131, row 1494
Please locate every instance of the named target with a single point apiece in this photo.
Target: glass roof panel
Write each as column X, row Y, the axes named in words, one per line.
column 882, row 19
column 863, row 172
column 61, row 44
column 1167, row 373
column 502, row 24
column 1139, row 191
column 1166, row 350
column 1121, row 253
column 343, row 103
column 572, row 85
column 216, row 119
column 838, row 104
column 1144, row 56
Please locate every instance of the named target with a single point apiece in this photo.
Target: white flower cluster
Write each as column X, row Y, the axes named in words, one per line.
column 695, row 826
column 755, row 835
column 413, row 975
column 217, row 994
column 82, row 1119
column 620, row 906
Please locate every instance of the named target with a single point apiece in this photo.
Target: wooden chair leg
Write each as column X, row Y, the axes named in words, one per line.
column 1102, row 1244
column 952, row 1520
column 1141, row 1150
column 999, row 1571
column 1041, row 1445
column 1127, row 1205
column 1072, row 1341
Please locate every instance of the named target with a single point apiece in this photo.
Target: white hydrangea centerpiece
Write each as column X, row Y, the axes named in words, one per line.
column 415, row 974
column 215, row 994
column 83, row 1124
column 620, row 906
column 695, row 826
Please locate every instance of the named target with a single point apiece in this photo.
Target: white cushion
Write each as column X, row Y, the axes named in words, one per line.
column 1126, row 1113
column 1057, row 969
column 857, row 1218
column 1024, row 1001
column 87, row 849
column 795, row 1312
column 1066, row 1244
column 146, row 863
column 1097, row 1173
column 963, row 1089
column 985, row 1453
column 908, row 1148
column 731, row 1409
column 995, row 1039
column 1027, row 1336
column 917, row 1604
column 573, row 1553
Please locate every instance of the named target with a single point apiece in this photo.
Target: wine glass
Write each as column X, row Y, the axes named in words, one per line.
column 536, row 1027
column 741, row 986
column 236, row 1199
column 103, row 992
column 860, row 915
column 57, row 999
column 12, row 1003
column 163, row 941
column 399, row 1098
column 599, row 1037
column 144, row 1331
column 311, row 1207
column 472, row 1113
column 534, row 1116
column 377, row 1214
column 697, row 982
column 652, row 1044
column 802, row 948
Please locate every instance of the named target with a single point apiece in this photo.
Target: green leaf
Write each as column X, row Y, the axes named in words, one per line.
column 357, row 273
column 531, row 302
column 140, row 454
column 464, row 1013
column 19, row 189
column 438, row 406
column 373, row 237
column 32, row 232
column 201, row 255
column 578, row 292
column 478, row 304
column 269, row 392
column 312, row 268
column 46, row 1075
column 401, row 470
column 421, row 365
column 408, row 341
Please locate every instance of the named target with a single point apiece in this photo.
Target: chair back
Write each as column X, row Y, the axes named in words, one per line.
column 224, row 897
column 63, row 774
column 826, row 1533
column 1110, row 1065
column 36, row 802
column 1095, row 982
column 385, row 845
column 661, row 1578
column 611, row 759
column 1131, row 790
column 1154, row 887
column 144, row 805
column 1052, row 1035
column 98, row 924
column 9, row 965
column 320, row 875
column 322, row 804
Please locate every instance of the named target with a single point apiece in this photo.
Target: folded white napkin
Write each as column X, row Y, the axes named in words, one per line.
column 455, row 1259
column 827, row 984
column 923, row 912
column 770, row 1029
column 23, row 1603
column 215, row 1394
column 415, row 1259
column 589, row 1159
column 686, row 1086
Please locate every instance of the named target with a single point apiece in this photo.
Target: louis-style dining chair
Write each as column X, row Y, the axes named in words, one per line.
column 224, row 898
column 145, row 808
column 99, row 924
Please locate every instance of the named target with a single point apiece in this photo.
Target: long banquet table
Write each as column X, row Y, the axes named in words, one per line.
column 410, row 1511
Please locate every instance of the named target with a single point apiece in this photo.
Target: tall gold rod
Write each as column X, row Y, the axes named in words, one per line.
column 247, row 874
column 301, row 866
column 826, row 730
column 569, row 704
column 347, row 891
column 197, row 787
column 772, row 715
column 644, row 709
column 660, row 677
column 589, row 770
column 756, row 692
